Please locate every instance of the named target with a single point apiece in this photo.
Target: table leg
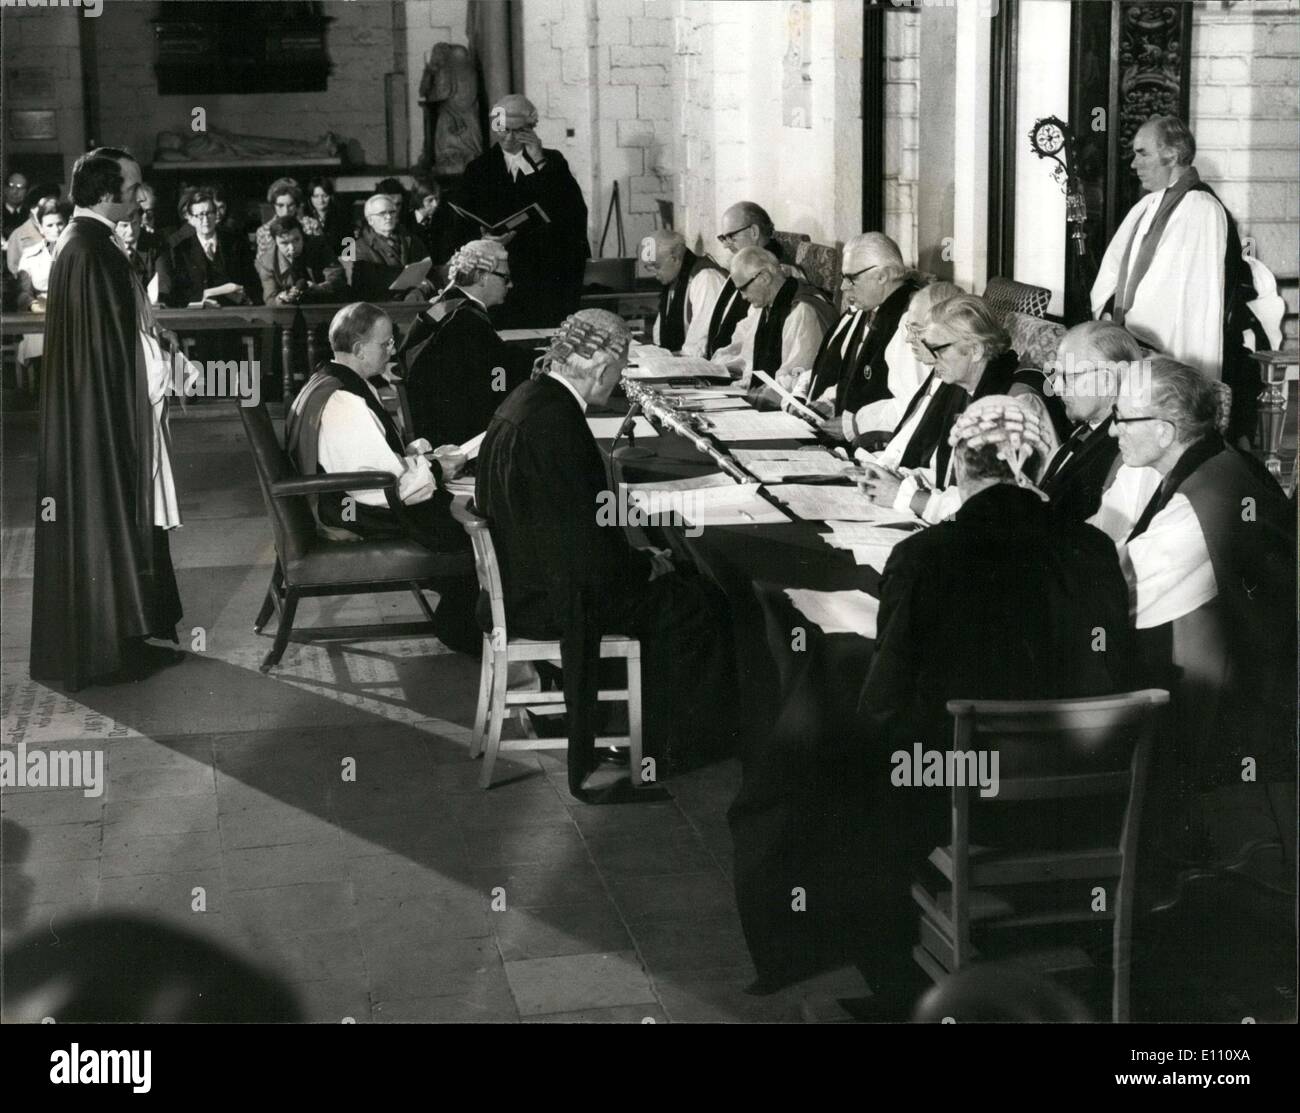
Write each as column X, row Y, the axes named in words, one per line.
column 286, row 357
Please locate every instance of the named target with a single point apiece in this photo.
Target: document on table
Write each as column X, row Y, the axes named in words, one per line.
column 693, row 393
column 756, row 426
column 515, row 335
column 779, row 464
column 606, row 428
column 707, row 502
column 848, row 535
column 787, row 399
column 817, row 503
column 677, row 367
column 837, row 612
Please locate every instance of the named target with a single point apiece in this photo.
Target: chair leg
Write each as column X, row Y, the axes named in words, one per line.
column 1121, row 959
column 496, row 719
column 424, row 603
column 282, row 631
column 634, row 715
column 485, row 672
column 268, row 604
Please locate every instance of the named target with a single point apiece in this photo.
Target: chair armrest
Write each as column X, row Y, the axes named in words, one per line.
column 333, row 482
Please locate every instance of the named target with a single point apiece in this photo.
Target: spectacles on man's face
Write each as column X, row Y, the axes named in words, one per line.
column 725, row 238
column 384, row 212
column 1115, row 417
column 858, row 274
column 935, row 350
column 745, row 286
column 207, row 214
column 503, row 275
column 390, row 344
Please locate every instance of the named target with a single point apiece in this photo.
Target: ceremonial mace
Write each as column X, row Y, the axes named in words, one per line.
column 655, row 406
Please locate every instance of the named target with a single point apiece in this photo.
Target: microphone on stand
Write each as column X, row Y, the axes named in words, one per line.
column 630, row 451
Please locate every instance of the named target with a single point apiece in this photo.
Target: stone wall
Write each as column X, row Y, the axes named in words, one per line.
column 902, row 128
column 42, row 72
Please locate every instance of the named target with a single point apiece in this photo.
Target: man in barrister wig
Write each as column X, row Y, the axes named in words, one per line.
column 1173, row 274
column 569, row 574
column 786, row 321
column 458, row 370
column 1210, row 560
column 103, row 580
column 338, row 424
column 691, row 285
column 852, row 372
column 1001, row 602
column 547, row 256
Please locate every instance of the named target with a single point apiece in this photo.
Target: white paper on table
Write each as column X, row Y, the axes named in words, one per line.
column 756, row 426
column 712, row 505
column 517, row 335
column 777, row 471
column 637, row 352
column 817, row 503
column 871, row 556
column 606, row 428
column 470, row 447
column 710, row 405
column 849, row 535
column 692, row 483
column 837, row 612
column 677, row 367
column 786, row 397
column 693, row 393
column 802, row 452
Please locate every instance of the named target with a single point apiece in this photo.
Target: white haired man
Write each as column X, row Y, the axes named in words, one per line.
column 691, row 285
column 338, row 424
column 786, row 321
column 570, row 573
column 383, row 251
column 458, row 369
column 547, row 258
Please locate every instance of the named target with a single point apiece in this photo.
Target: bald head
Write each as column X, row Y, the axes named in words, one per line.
column 745, row 225
column 757, row 275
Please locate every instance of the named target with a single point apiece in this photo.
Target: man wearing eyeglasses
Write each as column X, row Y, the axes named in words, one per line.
column 383, row 251
column 547, row 257
column 206, row 259
column 743, row 225
column 691, row 285
column 15, row 192
column 786, row 321
column 339, row 424
column 1210, row 561
column 458, row 369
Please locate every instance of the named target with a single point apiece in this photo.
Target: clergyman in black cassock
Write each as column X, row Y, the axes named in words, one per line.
column 547, row 258
column 102, row 578
column 458, row 370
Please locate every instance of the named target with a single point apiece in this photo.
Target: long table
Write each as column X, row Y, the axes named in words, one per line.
column 798, row 820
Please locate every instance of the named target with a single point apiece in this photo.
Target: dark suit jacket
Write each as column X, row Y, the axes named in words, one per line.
column 1001, row 602
column 378, row 262
column 187, row 271
column 862, row 376
column 316, row 268
column 451, row 370
column 1077, row 485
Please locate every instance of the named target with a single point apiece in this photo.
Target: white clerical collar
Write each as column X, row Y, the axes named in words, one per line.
column 516, row 163
column 582, row 402
column 79, row 211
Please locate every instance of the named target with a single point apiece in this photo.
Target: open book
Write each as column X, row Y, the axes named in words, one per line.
column 214, row 293
column 531, row 216
column 412, row 276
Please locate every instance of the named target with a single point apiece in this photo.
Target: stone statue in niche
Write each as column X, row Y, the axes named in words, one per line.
column 449, row 93
column 217, row 145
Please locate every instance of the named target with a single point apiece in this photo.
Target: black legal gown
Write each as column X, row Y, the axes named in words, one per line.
column 102, row 570
column 546, row 261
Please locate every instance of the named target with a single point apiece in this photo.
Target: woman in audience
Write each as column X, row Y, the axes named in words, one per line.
column 973, row 359
column 329, row 212
column 434, row 221
column 286, row 195
column 51, row 217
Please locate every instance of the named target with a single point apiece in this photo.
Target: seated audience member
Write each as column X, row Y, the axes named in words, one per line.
column 852, row 371
column 433, row 222
column 569, row 572
column 745, row 225
column 34, row 276
column 972, row 354
column 286, row 196
column 148, row 210
column 458, row 370
column 16, row 186
column 338, row 424
column 1001, row 602
column 28, row 234
column 1089, row 361
column 297, row 269
column 206, row 259
column 691, row 284
column 396, row 193
column 786, row 321
column 144, row 259
column 1211, row 566
column 330, row 213
column 383, row 251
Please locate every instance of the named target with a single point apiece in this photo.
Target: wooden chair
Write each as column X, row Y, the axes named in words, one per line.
column 1005, row 295
column 500, row 651
column 1048, row 750
column 307, row 564
column 821, row 263
column 790, row 242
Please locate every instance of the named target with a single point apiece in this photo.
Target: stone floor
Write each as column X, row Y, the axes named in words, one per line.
column 373, row 897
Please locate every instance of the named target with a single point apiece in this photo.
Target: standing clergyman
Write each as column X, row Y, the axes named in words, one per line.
column 103, row 579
